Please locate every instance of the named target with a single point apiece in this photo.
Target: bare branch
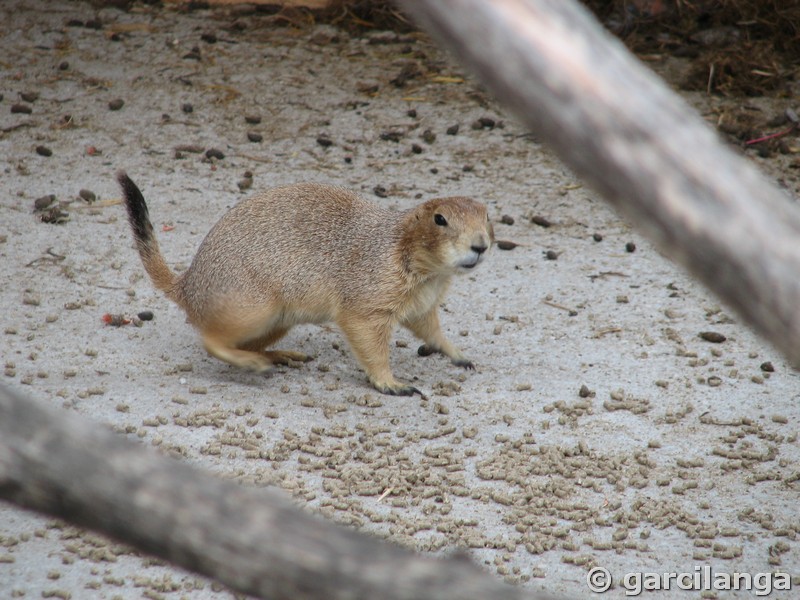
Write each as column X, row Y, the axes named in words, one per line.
column 253, row 540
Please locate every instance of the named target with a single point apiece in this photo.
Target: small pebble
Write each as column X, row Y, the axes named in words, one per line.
column 391, row 136
column 540, row 221
column 209, row 38
column 254, row 137
column 187, row 107
column 767, row 367
column 452, row 130
column 416, row 149
column 630, row 247
column 145, row 315
column 412, row 113
column 87, row 195
column 507, row 220
column 428, row 136
column 44, row 202
column 324, row 141
column 506, row 245
column 380, row 191
column 44, row 151
column 29, row 96
column 712, row 336
column 484, row 123
column 597, row 237
column 21, row 108
column 63, row 65
column 551, row 255
column 252, row 119
column 116, row 104
column 214, row 153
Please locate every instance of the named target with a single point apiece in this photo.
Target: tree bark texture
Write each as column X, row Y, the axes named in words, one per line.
column 619, row 127
column 253, row 540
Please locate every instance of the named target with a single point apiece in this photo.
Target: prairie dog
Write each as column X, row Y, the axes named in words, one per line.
column 312, row 253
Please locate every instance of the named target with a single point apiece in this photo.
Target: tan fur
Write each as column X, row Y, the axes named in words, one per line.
column 313, row 253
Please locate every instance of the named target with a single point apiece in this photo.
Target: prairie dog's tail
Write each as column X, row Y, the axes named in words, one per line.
column 152, row 259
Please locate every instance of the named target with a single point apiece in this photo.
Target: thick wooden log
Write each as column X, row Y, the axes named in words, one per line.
column 253, row 540
column 619, row 127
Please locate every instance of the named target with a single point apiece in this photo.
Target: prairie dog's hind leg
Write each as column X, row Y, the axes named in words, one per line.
column 234, row 331
column 277, row 357
column 225, row 349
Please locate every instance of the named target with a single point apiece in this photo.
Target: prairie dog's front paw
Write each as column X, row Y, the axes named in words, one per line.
column 464, row 363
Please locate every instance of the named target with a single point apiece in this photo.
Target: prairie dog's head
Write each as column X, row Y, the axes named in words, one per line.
column 451, row 235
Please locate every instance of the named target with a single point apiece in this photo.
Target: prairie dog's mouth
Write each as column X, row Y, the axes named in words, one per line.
column 471, row 262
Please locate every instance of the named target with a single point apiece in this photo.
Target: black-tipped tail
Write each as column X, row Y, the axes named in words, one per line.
column 138, row 215
column 139, row 218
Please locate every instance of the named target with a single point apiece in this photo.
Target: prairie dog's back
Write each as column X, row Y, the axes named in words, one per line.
column 293, row 241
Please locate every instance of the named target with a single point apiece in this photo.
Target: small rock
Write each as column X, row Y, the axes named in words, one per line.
column 630, row 247
column 145, row 315
column 367, row 87
column 21, row 109
column 407, row 73
column 551, row 255
column 252, row 119
column 44, row 202
column 391, row 136
column 412, row 113
column 193, row 54
column 256, row 137
column 29, row 96
column 484, row 123
column 416, row 149
column 44, row 151
column 767, row 367
column 87, row 195
column 187, row 107
column 380, row 191
column 209, row 38
column 597, row 237
column 214, row 153
column 324, row 141
column 63, row 65
column 428, row 136
column 540, row 221
column 116, row 104
column 506, row 245
column 452, row 130
column 713, row 337
column 507, row 220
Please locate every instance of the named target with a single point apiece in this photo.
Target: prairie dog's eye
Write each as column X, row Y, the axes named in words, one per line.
column 439, row 220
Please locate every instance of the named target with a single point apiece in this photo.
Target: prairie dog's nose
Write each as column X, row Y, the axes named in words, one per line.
column 479, row 248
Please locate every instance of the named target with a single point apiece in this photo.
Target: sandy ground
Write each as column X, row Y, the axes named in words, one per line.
column 680, row 453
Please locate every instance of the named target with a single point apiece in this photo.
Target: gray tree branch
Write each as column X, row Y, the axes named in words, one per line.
column 253, row 540
column 620, row 128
